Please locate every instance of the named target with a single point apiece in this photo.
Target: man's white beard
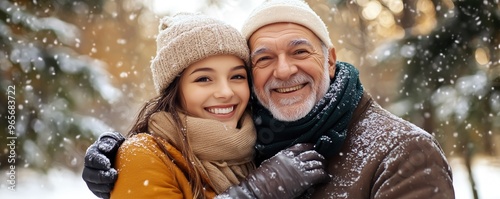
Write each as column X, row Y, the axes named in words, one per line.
column 285, row 112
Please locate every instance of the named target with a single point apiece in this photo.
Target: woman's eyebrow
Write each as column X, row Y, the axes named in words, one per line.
column 238, row 67
column 207, row 69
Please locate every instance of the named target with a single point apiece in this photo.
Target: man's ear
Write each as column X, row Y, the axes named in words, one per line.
column 332, row 60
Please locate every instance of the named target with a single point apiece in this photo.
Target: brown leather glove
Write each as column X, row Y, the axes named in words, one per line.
column 286, row 175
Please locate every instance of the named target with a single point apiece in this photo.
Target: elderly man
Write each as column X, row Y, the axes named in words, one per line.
column 303, row 95
column 312, row 98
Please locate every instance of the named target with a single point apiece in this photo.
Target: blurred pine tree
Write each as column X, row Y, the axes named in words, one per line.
column 53, row 83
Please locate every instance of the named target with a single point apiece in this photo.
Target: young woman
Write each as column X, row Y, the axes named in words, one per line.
column 196, row 139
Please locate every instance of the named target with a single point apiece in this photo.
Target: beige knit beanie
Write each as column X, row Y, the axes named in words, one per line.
column 293, row 11
column 186, row 38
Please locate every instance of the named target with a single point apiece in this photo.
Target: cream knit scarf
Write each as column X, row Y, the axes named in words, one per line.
column 224, row 153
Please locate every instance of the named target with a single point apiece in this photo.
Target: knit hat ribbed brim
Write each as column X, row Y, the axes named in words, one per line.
column 186, row 38
column 293, row 11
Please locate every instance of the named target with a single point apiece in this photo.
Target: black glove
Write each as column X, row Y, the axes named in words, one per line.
column 99, row 158
column 286, row 175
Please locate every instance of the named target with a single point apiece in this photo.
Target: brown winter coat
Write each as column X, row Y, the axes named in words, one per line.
column 386, row 157
column 149, row 172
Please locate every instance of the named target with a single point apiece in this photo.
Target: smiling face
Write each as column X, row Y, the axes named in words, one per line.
column 290, row 71
column 216, row 88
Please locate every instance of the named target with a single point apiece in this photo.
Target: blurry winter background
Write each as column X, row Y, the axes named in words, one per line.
column 82, row 67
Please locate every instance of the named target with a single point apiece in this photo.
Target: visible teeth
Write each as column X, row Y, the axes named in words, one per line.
column 221, row 110
column 290, row 89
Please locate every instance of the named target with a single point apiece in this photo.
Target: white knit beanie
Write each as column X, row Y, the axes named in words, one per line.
column 186, row 38
column 293, row 11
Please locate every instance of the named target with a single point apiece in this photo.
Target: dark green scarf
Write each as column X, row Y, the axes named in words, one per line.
column 325, row 126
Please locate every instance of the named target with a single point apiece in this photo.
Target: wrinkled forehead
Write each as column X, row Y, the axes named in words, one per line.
column 282, row 33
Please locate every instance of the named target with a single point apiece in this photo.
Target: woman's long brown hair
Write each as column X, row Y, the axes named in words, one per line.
column 169, row 101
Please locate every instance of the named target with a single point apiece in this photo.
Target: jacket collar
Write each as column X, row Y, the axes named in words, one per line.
column 363, row 104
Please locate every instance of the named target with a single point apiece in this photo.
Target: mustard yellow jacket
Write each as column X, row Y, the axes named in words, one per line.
column 146, row 172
